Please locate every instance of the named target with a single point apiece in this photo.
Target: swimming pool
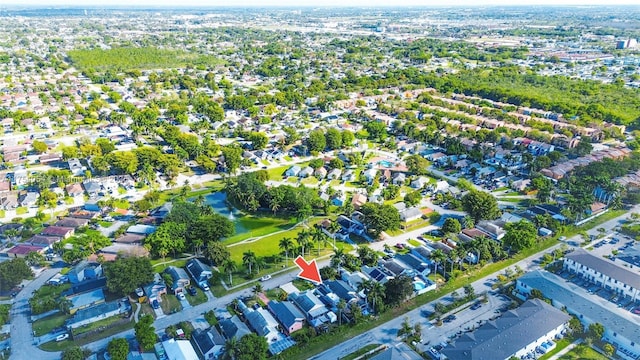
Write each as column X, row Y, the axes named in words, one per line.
column 419, row 285
column 385, row 163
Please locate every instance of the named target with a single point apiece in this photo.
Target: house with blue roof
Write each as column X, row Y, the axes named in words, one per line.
column 289, row 317
column 85, row 300
column 313, row 309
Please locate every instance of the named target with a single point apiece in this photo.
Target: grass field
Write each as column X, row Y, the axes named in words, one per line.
column 560, row 344
column 170, row 304
column 198, row 299
column 45, row 325
column 259, row 226
column 126, row 58
column 583, row 352
column 363, row 350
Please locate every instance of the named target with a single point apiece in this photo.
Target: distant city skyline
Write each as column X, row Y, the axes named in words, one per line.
column 312, row 3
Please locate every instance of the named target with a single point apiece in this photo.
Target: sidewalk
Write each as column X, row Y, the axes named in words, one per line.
column 566, row 350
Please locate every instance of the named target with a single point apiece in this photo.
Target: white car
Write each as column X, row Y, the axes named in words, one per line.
column 62, row 337
column 265, row 278
column 181, row 296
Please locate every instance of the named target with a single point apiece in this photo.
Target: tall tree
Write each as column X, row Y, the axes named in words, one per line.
column 248, row 259
column 286, row 245
column 217, row 252
column 480, row 205
column 229, row 266
column 124, row 275
column 145, row 332
column 118, row 349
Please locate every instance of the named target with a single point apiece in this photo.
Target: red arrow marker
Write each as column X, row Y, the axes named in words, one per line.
column 309, row 270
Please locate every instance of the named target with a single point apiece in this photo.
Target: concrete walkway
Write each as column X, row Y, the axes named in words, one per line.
column 566, row 350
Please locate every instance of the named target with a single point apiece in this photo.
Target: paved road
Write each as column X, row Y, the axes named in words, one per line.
column 21, row 336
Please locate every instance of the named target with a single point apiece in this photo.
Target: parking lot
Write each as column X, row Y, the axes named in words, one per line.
column 463, row 321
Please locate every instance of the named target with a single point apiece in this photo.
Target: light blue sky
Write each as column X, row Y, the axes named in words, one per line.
column 243, row 3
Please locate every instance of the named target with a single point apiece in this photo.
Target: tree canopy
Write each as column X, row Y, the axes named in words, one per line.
column 124, row 275
column 480, row 205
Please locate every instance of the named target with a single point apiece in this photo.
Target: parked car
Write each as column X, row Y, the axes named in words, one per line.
column 155, row 304
column 192, row 291
column 399, row 246
column 181, row 296
column 62, row 337
column 476, row 306
column 265, row 278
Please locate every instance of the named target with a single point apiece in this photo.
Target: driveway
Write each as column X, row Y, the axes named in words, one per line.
column 107, row 231
column 185, row 304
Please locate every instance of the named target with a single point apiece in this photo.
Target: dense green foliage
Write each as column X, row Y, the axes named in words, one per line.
column 480, row 205
column 145, row 332
column 118, row 349
column 128, row 58
column 126, row 274
column 520, row 235
column 12, row 272
column 379, row 218
column 75, row 353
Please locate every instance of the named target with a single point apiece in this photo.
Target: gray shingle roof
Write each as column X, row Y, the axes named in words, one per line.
column 508, row 334
column 578, row 301
column 605, row 267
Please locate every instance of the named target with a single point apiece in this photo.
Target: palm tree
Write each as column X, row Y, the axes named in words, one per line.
column 197, row 246
column 437, row 256
column 229, row 267
column 365, row 287
column 334, row 227
column 376, row 295
column 338, row 258
column 319, row 237
column 230, row 349
column 248, row 259
column 260, row 263
column 341, row 306
column 303, row 240
column 286, row 245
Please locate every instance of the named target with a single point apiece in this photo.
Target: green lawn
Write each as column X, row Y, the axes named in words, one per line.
column 62, row 345
column 22, row 210
column 159, row 267
column 583, row 352
column 310, row 180
column 45, row 325
column 170, row 304
column 97, row 324
column 560, row 344
column 259, row 226
column 365, row 349
column 2, row 214
column 414, row 242
column 198, row 299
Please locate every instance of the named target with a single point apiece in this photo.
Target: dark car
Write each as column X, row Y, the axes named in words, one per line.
column 476, row 306
column 155, row 304
column 192, row 291
column 450, row 318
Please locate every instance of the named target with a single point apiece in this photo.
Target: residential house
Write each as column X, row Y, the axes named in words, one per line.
column 180, row 279
column 306, row 172
column 410, row 214
column 74, row 190
column 97, row 312
column 200, row 272
column 8, row 201
column 141, row 229
column 84, row 270
column 179, row 350
column 419, row 183
column 349, row 175
column 92, row 187
column 441, row 186
column 263, row 323
column 85, row 300
column 45, row 242
column 370, row 175
column 377, row 274
column 233, row 327
column 22, row 250
column 10, row 226
column 314, row 310
column 399, row 179
column 72, row 222
column 155, row 289
column 28, row 199
column 289, row 317
column 400, row 351
column 334, row 174
column 334, row 290
column 418, row 265
column 358, row 200
column 209, row 342
column 59, row 231
column 492, row 230
column 293, row 171
column 77, row 169
column 320, row 173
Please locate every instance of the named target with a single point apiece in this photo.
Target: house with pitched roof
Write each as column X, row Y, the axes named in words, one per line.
column 287, row 315
column 209, row 342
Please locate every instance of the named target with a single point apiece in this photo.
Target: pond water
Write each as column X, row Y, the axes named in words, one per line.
column 218, row 201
